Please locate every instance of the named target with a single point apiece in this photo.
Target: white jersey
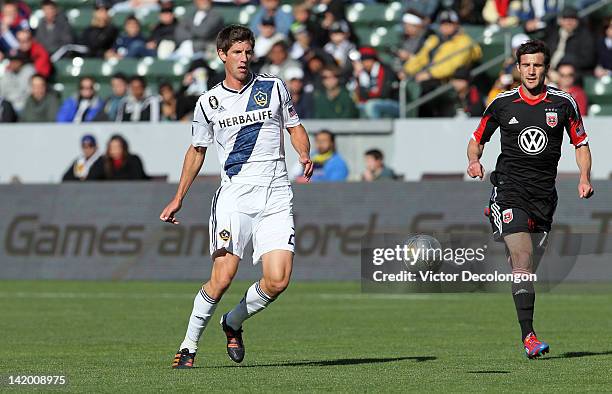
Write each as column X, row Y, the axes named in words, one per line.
column 247, row 128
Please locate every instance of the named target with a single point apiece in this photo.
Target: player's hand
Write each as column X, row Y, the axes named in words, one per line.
column 475, row 169
column 171, row 209
column 585, row 189
column 308, row 166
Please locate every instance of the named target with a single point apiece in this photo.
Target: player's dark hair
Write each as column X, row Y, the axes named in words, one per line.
column 233, row 34
column 533, row 46
column 376, row 154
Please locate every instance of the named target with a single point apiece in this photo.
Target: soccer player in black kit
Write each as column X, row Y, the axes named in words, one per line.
column 532, row 119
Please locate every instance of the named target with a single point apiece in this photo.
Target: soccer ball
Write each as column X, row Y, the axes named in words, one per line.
column 424, row 253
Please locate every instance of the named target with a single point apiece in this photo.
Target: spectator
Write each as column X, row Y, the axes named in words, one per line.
column 375, row 88
column 534, row 14
column 10, row 23
column 471, row 11
column 130, row 43
column 161, row 40
column 119, row 87
column 302, row 42
column 300, row 94
column 604, row 50
column 439, row 58
column 268, row 36
column 509, row 76
column 37, row 54
column 469, row 99
column 304, row 17
column 271, row 8
column 197, row 33
column 570, row 42
column 53, row 30
column 441, row 55
column 567, row 78
column 504, row 13
column 119, row 164
column 138, row 106
column 15, row 83
column 334, row 101
column 88, row 166
column 427, row 8
column 101, row 34
column 197, row 80
column 84, row 107
column 278, row 61
column 41, row 105
column 7, row 113
column 328, row 164
column 416, row 31
column 376, row 169
column 315, row 60
column 339, row 45
column 168, row 102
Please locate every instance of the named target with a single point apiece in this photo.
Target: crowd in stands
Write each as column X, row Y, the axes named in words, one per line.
column 117, row 163
column 311, row 46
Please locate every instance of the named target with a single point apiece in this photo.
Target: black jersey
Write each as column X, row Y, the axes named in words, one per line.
column 531, row 137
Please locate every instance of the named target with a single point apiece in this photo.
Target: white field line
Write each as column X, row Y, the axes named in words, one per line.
column 138, row 296
column 325, row 296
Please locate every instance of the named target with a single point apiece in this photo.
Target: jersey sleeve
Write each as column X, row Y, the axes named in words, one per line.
column 574, row 125
column 201, row 127
column 289, row 114
column 488, row 124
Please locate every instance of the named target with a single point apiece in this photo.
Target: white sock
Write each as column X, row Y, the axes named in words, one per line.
column 203, row 308
column 254, row 300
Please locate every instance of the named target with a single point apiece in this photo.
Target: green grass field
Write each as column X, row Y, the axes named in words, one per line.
column 109, row 337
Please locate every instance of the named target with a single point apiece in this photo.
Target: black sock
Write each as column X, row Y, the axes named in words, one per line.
column 524, row 300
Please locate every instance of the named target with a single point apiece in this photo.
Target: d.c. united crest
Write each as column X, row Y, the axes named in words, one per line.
column 551, row 119
column 507, row 216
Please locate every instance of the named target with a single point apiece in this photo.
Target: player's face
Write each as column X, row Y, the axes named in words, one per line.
column 237, row 60
column 532, row 69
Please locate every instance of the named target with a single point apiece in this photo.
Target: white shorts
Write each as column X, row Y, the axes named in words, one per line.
column 239, row 212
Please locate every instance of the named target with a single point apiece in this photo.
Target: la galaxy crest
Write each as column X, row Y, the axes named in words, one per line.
column 260, row 98
column 224, row 235
column 214, row 103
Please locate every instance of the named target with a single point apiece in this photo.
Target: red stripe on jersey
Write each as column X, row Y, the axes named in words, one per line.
column 577, row 132
column 541, row 97
column 481, row 128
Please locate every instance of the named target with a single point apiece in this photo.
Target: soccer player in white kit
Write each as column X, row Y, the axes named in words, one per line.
column 243, row 117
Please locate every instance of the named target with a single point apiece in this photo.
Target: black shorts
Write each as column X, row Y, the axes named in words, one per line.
column 512, row 213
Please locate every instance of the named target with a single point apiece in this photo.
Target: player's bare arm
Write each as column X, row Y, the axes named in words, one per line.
column 301, row 144
column 474, row 153
column 583, row 159
column 194, row 158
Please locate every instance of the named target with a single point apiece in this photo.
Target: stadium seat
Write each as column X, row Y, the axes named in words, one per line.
column 600, row 110
column 360, row 14
column 599, row 91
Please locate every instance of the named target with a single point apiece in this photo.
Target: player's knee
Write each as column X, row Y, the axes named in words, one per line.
column 220, row 283
column 521, row 259
column 276, row 286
